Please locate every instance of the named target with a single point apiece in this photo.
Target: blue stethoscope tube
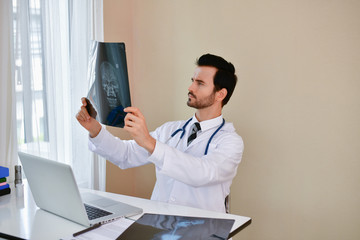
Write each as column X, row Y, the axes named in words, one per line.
column 210, row 139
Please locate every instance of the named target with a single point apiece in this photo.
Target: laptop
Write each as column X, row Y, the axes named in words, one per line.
column 54, row 189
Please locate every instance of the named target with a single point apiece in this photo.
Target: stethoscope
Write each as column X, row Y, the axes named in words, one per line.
column 183, row 133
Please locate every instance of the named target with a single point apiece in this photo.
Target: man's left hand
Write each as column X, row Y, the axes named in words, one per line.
column 135, row 124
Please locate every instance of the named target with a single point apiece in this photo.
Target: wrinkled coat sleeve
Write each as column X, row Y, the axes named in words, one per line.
column 123, row 153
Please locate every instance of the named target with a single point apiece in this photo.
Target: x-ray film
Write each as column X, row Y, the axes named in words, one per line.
column 109, row 92
column 167, row 227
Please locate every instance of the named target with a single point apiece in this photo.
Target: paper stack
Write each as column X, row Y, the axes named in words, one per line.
column 4, row 186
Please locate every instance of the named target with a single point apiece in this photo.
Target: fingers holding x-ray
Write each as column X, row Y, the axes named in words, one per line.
column 135, row 111
column 135, row 124
column 82, row 115
column 133, row 117
column 129, row 120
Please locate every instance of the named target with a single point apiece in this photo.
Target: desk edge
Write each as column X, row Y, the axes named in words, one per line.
column 233, row 233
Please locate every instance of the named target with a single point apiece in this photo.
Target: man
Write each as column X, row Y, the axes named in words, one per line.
column 193, row 168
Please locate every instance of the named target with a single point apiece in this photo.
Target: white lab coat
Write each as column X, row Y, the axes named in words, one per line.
column 184, row 175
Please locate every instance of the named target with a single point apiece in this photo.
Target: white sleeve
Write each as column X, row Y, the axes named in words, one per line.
column 219, row 165
column 123, row 153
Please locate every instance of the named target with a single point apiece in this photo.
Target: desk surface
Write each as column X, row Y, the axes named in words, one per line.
column 20, row 217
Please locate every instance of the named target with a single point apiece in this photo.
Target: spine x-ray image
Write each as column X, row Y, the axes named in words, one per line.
column 168, row 227
column 109, row 92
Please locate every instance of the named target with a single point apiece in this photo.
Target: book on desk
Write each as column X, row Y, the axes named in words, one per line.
column 4, row 186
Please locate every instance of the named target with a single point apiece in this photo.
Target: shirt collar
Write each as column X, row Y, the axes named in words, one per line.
column 208, row 124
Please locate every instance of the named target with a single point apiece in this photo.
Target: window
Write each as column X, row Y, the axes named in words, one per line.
column 31, row 98
column 51, row 50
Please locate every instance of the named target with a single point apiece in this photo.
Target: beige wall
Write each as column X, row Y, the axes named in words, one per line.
column 297, row 103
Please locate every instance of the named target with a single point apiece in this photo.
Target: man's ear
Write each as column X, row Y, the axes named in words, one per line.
column 221, row 94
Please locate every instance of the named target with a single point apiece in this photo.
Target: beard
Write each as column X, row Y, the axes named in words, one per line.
column 201, row 103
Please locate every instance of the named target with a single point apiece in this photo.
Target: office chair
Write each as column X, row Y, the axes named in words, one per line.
column 227, row 204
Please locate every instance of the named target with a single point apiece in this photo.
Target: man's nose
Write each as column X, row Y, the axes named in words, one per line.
column 191, row 88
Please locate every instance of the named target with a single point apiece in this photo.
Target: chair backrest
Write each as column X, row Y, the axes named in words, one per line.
column 227, row 204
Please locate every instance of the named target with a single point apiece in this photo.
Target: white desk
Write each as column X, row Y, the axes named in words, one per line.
column 21, row 218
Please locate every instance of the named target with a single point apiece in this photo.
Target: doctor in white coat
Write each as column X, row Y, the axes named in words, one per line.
column 196, row 173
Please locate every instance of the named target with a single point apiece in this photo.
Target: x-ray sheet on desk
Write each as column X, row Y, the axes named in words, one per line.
column 168, row 227
column 109, row 92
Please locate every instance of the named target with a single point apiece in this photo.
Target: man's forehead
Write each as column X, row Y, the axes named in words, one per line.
column 203, row 72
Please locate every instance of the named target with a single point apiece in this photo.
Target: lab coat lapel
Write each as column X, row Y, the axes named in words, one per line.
column 198, row 145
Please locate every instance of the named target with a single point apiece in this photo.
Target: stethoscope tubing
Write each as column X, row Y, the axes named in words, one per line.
column 183, row 133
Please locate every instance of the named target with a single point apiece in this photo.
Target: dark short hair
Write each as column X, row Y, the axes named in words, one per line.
column 225, row 76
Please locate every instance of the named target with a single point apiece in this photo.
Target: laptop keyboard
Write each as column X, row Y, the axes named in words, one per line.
column 94, row 212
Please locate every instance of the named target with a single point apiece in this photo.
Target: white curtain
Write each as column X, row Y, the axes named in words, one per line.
column 55, row 36
column 8, row 145
column 52, row 47
column 91, row 173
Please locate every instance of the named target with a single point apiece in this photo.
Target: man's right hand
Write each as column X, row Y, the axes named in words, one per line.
column 86, row 121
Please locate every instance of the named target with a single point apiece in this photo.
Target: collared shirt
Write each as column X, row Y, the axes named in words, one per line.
column 205, row 125
column 184, row 175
